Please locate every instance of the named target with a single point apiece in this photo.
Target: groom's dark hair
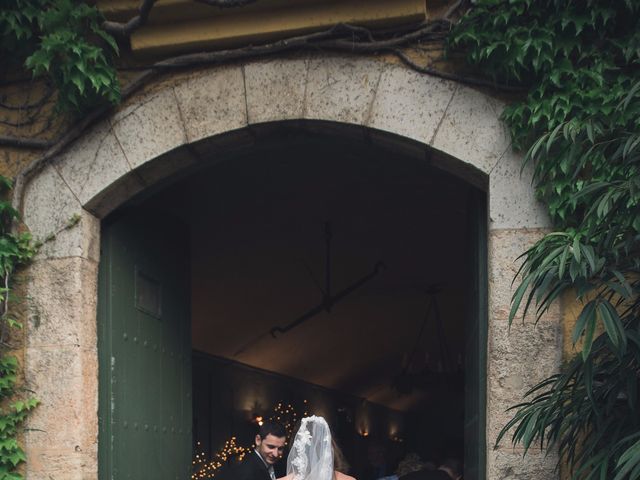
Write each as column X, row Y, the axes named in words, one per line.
column 272, row 428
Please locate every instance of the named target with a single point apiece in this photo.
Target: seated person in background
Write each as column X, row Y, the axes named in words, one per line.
column 412, row 467
column 377, row 467
column 412, row 463
column 451, row 469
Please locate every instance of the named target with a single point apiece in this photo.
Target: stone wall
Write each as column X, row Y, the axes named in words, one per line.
column 206, row 114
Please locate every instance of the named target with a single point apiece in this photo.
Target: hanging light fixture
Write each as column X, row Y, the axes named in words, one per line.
column 432, row 374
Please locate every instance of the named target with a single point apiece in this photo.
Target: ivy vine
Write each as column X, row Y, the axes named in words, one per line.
column 16, row 249
column 579, row 124
column 64, row 42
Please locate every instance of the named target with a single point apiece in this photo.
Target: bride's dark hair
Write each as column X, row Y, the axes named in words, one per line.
column 340, row 463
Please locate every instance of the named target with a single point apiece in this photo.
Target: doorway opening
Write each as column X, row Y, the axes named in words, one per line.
column 308, row 274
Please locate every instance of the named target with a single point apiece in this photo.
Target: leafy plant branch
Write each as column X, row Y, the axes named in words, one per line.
column 579, row 124
column 64, row 41
column 95, row 91
column 16, row 250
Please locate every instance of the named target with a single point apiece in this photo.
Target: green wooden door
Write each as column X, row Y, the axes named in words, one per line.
column 144, row 350
column 476, row 342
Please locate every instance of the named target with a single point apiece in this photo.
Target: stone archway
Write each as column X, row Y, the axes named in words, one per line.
column 182, row 122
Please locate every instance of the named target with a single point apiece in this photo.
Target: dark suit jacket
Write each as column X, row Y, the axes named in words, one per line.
column 251, row 468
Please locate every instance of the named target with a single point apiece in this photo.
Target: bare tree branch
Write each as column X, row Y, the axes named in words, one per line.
column 360, row 40
column 20, row 123
column 56, row 146
column 18, row 142
column 452, row 9
column 332, row 39
column 30, row 106
column 478, row 82
column 124, row 30
column 341, row 38
column 5, row 306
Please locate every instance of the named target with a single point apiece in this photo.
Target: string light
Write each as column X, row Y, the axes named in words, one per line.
column 287, row 416
column 206, row 469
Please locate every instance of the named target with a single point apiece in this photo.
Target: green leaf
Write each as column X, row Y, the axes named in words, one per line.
column 517, row 298
column 576, row 249
column 630, row 459
column 590, row 329
column 563, row 262
column 613, row 326
column 628, row 290
column 553, row 136
column 589, row 254
column 586, row 315
column 578, row 122
column 78, row 81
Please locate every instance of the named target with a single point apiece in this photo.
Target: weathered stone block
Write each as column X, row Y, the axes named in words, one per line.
column 115, row 194
column 62, row 297
column 507, row 464
column 472, row 131
column 410, row 104
column 168, row 164
column 61, row 464
column 275, row 89
column 505, row 246
column 513, row 203
column 49, row 208
column 341, row 88
column 213, row 102
column 518, row 359
column 149, row 127
column 92, row 163
column 66, row 417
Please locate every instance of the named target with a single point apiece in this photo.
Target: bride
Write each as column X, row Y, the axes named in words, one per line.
column 314, row 454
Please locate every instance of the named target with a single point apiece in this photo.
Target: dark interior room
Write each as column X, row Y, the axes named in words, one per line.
column 332, row 278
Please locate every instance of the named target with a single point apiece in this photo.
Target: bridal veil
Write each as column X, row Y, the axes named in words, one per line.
column 311, row 455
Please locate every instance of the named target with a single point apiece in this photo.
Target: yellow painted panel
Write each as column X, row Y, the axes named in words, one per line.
column 177, row 26
column 174, row 11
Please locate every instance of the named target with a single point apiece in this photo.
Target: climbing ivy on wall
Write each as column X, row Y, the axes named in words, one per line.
column 578, row 121
column 63, row 42
column 16, row 250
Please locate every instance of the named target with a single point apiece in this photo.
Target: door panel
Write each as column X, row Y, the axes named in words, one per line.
column 476, row 343
column 145, row 350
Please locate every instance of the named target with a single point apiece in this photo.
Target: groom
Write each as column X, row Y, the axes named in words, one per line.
column 259, row 464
